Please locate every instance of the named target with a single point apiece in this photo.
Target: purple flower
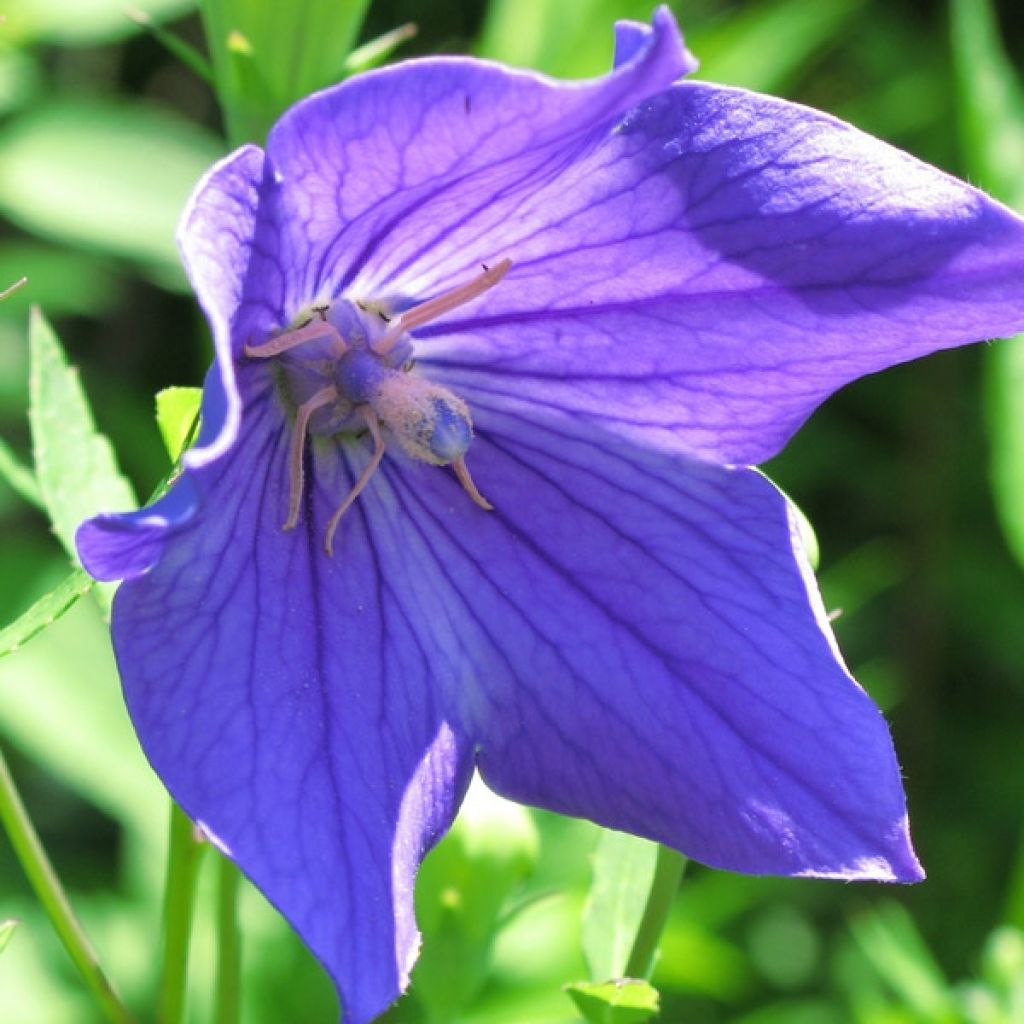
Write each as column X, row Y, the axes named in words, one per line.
column 509, row 345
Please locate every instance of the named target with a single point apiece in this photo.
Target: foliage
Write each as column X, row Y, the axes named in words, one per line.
column 103, row 132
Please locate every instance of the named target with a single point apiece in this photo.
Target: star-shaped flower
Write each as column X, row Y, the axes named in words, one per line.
column 506, row 347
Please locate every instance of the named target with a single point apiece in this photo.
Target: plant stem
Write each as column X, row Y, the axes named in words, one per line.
column 226, row 1009
column 44, row 881
column 667, row 873
column 184, row 853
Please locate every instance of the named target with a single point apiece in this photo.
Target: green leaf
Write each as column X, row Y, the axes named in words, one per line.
column 21, row 478
column 176, row 412
column 462, row 889
column 60, row 280
column 377, row 51
column 990, row 106
column 6, row 931
column 1004, row 390
column 174, row 44
column 623, row 872
column 615, row 1002
column 553, row 36
column 990, row 101
column 105, row 176
column 75, row 465
column 61, row 706
column 889, row 940
column 83, row 22
column 766, row 44
column 266, row 56
column 20, row 79
column 45, row 611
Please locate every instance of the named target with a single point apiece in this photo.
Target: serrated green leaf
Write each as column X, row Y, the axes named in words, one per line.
column 104, row 176
column 176, row 412
column 45, row 611
column 623, row 872
column 75, row 465
column 627, row 1001
column 265, row 57
column 20, row 477
column 6, row 931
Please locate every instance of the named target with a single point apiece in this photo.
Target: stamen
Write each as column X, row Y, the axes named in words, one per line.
column 323, row 397
column 299, row 336
column 440, row 304
column 462, row 472
column 373, row 422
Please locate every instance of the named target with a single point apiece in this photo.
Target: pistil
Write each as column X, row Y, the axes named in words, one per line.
column 366, row 389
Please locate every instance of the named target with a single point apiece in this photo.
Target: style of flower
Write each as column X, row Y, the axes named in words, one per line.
column 494, row 355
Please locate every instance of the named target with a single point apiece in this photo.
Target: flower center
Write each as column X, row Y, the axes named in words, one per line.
column 346, row 367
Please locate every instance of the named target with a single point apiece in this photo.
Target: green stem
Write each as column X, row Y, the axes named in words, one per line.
column 227, row 1004
column 44, row 881
column 184, row 853
column 667, row 873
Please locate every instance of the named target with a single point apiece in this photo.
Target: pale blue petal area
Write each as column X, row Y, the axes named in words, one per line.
column 354, row 162
column 215, row 237
column 121, row 546
column 701, row 275
column 643, row 645
column 287, row 701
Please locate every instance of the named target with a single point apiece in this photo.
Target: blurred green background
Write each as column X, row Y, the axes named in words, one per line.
column 914, row 481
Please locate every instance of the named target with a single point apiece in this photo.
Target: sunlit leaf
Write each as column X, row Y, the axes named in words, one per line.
column 20, row 79
column 462, row 889
column 105, row 176
column 176, row 412
column 174, row 44
column 19, row 476
column 83, row 22
column 889, row 940
column 624, row 869
column 75, row 464
column 45, row 611
column 375, row 52
column 265, row 57
column 61, row 707
column 553, row 36
column 6, row 931
column 990, row 104
column 615, row 1002
column 990, row 101
column 763, row 45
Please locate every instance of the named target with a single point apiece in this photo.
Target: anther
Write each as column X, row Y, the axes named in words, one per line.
column 440, row 304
